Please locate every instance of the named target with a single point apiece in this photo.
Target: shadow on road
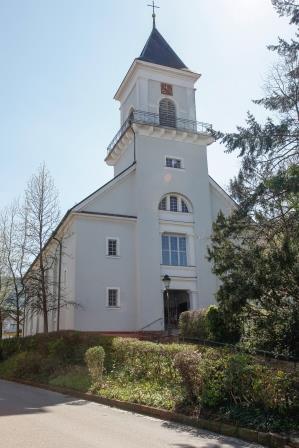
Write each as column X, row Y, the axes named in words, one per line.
column 217, row 441
column 18, row 399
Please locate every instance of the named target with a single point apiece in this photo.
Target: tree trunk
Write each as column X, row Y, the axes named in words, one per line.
column 45, row 315
column 1, row 325
column 18, row 325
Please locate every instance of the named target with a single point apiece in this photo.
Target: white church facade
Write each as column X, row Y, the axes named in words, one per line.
column 154, row 218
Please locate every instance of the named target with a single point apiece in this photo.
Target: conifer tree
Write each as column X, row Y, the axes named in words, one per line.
column 255, row 251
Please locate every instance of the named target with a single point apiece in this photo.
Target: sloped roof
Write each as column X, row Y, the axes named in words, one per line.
column 158, row 51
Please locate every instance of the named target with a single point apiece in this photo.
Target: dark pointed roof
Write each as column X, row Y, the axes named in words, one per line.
column 158, row 51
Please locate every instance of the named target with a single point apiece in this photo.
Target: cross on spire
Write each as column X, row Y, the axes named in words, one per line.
column 154, row 14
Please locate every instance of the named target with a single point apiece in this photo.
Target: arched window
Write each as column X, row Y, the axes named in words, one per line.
column 185, row 208
column 167, row 113
column 175, row 203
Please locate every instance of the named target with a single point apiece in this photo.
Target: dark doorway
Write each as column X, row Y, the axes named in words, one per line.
column 178, row 302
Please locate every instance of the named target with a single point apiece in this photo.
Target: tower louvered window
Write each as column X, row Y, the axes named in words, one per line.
column 167, row 113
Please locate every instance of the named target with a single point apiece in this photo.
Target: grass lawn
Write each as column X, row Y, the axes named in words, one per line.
column 121, row 388
column 76, row 378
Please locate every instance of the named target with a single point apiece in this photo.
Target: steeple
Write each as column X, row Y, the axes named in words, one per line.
column 154, row 14
column 158, row 51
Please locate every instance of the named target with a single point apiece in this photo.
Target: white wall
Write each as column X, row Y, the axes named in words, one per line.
column 220, row 201
column 126, row 159
column 95, row 272
column 119, row 198
column 153, row 180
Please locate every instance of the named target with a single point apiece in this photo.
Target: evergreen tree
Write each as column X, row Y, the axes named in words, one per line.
column 255, row 251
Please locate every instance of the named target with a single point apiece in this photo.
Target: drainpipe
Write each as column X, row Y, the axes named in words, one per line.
column 131, row 125
column 59, row 281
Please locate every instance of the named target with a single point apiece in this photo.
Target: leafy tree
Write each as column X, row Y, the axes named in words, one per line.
column 255, row 251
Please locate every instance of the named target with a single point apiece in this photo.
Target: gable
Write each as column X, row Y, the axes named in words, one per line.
column 116, row 197
column 220, row 200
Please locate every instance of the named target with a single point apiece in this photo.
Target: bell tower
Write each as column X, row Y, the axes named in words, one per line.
column 166, row 150
column 158, row 90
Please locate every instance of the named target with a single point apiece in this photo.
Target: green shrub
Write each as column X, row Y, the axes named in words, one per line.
column 192, row 324
column 188, row 365
column 219, row 379
column 209, row 323
column 238, row 380
column 22, row 365
column 95, row 362
column 221, row 328
column 147, row 360
column 9, row 347
column 273, row 332
column 64, row 347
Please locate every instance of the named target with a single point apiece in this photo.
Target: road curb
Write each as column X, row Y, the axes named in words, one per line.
column 271, row 440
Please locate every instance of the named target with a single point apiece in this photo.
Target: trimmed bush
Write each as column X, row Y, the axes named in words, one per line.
column 22, row 365
column 209, row 323
column 188, row 365
column 94, row 358
column 63, row 348
column 192, row 324
column 219, row 379
column 147, row 360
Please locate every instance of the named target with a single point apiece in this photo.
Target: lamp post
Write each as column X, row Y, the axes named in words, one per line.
column 166, row 281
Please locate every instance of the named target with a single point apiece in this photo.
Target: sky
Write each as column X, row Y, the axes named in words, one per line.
column 63, row 60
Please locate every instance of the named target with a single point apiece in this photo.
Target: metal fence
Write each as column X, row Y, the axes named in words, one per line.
column 268, row 356
column 152, row 119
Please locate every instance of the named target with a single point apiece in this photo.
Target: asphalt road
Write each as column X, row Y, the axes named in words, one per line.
column 36, row 418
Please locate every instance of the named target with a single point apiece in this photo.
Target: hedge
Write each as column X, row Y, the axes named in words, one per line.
column 65, row 347
column 209, row 323
column 147, row 360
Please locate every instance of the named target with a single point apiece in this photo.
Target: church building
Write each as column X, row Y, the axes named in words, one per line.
column 135, row 251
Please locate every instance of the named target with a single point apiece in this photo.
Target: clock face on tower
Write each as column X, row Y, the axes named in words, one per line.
column 166, row 89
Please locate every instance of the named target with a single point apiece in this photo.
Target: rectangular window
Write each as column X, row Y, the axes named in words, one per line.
column 113, row 298
column 173, row 163
column 174, row 250
column 173, row 204
column 112, row 247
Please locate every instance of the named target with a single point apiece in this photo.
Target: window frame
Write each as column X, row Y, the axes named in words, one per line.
column 172, row 158
column 163, row 201
column 179, row 201
column 166, row 119
column 183, row 203
column 113, row 288
column 178, row 251
column 171, row 197
column 114, row 238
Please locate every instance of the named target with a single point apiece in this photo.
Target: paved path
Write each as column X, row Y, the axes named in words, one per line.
column 36, row 418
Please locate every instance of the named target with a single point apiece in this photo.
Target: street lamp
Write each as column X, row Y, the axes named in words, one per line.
column 166, row 281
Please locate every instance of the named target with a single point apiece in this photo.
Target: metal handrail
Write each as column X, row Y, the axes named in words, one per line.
column 165, row 121
column 237, row 348
column 151, row 323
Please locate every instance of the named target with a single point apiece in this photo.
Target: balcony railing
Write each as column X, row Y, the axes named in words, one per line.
column 165, row 121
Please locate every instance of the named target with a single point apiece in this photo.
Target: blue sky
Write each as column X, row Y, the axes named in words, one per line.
column 62, row 61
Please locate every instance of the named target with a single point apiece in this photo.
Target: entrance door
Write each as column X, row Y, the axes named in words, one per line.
column 178, row 302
